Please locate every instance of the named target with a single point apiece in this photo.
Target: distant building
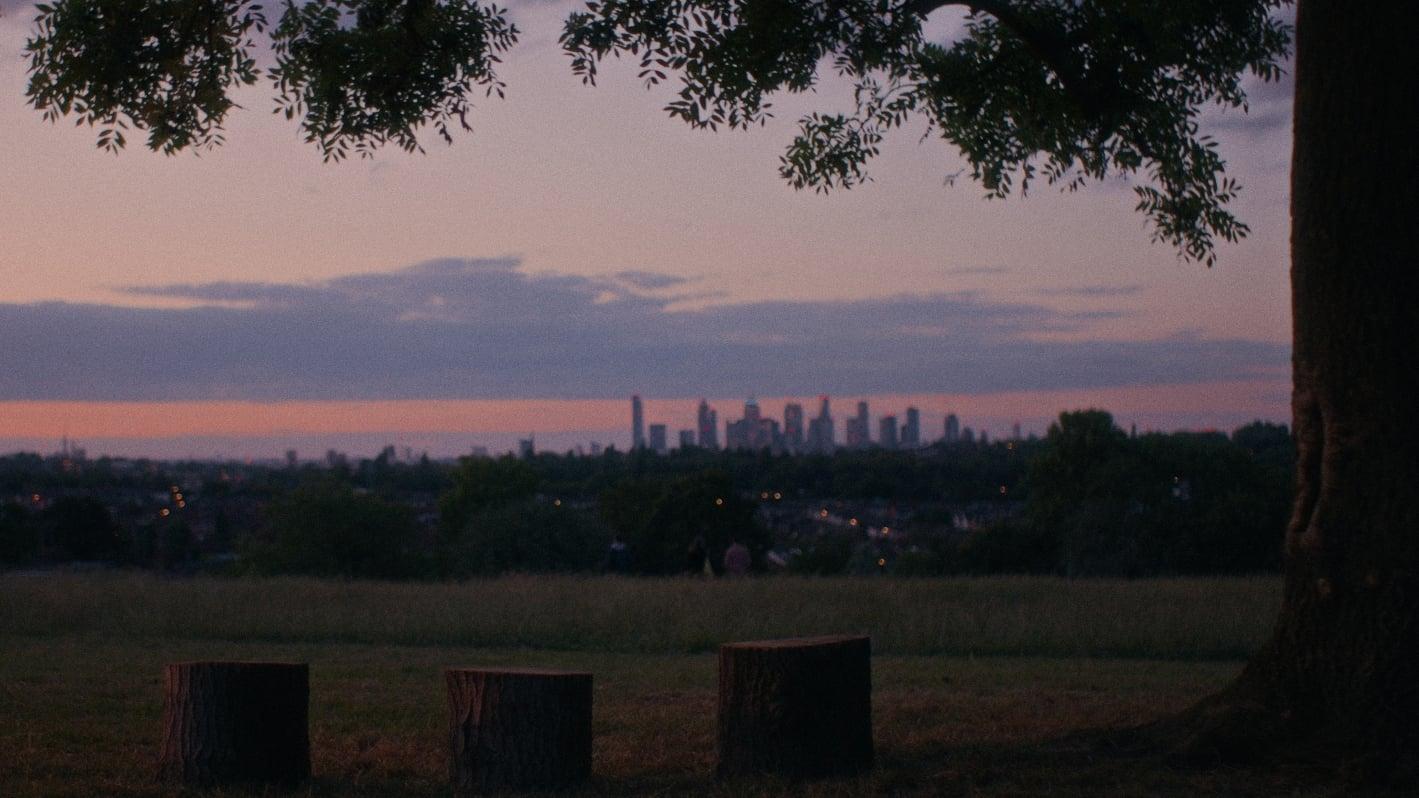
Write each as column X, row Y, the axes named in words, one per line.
column 527, row 447
column 911, row 431
column 687, row 438
column 637, row 424
column 291, row 459
column 793, row 427
column 480, row 451
column 707, row 421
column 887, row 432
column 1015, row 431
column 859, row 433
column 820, row 430
column 657, row 439
column 968, row 435
column 953, row 428
column 753, row 431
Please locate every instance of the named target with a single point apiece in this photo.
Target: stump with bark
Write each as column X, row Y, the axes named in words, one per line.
column 235, row 723
column 518, row 729
column 799, row 707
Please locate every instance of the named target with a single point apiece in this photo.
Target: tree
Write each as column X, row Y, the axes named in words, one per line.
column 324, row 528
column 1070, row 90
column 80, row 528
column 660, row 518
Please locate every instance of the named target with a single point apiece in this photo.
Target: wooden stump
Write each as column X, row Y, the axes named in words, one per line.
column 799, row 707
column 518, row 729
column 235, row 722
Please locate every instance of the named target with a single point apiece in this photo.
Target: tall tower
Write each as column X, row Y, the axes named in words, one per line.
column 953, row 428
column 793, row 426
column 637, row 423
column 887, row 432
column 707, row 422
column 911, row 430
column 826, row 439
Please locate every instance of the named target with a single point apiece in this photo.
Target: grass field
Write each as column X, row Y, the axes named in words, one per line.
column 977, row 683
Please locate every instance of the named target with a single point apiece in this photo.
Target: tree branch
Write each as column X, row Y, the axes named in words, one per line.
column 1050, row 46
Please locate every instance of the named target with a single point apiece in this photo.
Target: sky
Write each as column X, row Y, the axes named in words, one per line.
column 580, row 246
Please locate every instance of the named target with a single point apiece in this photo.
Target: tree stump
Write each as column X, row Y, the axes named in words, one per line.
column 798, row 707
column 235, row 722
column 518, row 729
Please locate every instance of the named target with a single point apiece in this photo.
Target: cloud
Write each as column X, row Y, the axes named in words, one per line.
column 1092, row 291
column 971, row 271
column 454, row 329
column 650, row 281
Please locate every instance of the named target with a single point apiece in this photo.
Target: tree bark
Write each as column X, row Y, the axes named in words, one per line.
column 234, row 723
column 518, row 729
column 1341, row 672
column 799, row 707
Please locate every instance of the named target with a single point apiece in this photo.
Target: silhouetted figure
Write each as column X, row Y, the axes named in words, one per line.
column 736, row 559
column 695, row 556
column 618, row 557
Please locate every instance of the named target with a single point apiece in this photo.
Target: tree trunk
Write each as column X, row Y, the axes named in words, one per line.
column 800, row 707
column 518, row 729
column 1341, row 673
column 234, row 723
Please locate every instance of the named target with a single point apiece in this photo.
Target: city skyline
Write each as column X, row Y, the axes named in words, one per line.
column 251, row 430
column 757, row 430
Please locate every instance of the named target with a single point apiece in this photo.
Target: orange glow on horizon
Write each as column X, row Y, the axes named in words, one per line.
column 1268, row 399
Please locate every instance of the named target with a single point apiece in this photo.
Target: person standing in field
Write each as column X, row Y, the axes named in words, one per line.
column 696, row 557
column 736, row 559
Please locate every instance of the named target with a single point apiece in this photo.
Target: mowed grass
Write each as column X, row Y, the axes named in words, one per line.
column 978, row 684
column 1222, row 618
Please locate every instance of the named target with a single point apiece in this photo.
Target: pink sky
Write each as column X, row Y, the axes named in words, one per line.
column 591, row 182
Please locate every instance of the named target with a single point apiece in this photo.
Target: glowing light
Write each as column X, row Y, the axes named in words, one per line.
column 719, row 502
column 881, row 562
column 181, row 505
column 165, row 512
column 764, row 495
column 556, row 502
column 777, row 496
column 823, row 513
column 1002, row 490
column 852, row 522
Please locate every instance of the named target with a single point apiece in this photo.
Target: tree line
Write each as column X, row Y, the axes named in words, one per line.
column 1086, row 500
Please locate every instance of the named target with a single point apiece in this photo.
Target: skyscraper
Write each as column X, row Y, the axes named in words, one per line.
column 658, row 443
column 911, row 431
column 793, row 427
column 637, row 424
column 953, row 428
column 820, row 430
column 687, row 438
column 859, row 433
column 707, row 422
column 887, row 432
column 753, row 431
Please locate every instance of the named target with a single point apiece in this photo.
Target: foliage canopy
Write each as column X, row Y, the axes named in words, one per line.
column 1065, row 90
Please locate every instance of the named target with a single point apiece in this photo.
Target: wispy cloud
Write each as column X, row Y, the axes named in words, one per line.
column 650, row 281
column 1092, row 291
column 976, row 271
column 485, row 329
